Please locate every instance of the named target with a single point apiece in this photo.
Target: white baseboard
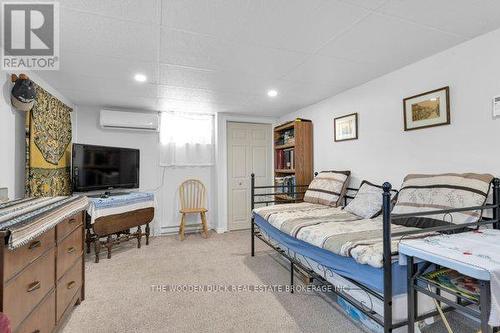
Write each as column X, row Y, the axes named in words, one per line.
column 170, row 230
column 220, row 230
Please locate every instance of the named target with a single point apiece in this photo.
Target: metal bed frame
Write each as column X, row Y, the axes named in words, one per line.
column 386, row 320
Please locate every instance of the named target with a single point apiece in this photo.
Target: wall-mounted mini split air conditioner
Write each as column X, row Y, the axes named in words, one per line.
column 127, row 120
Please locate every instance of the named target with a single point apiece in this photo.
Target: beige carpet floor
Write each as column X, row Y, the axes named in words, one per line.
column 119, row 295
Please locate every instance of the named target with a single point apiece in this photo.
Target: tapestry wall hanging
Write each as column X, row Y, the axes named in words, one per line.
column 48, row 147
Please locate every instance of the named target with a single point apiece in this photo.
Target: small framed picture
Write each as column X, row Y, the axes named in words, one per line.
column 345, row 127
column 427, row 110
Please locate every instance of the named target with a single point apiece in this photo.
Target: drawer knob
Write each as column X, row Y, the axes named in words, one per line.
column 35, row 244
column 71, row 284
column 36, row 331
column 34, row 286
column 71, row 221
column 71, row 249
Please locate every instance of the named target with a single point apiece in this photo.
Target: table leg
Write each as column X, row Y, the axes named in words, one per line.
column 147, row 233
column 411, row 294
column 97, row 249
column 485, row 304
column 438, row 290
column 109, row 245
column 88, row 240
column 139, row 235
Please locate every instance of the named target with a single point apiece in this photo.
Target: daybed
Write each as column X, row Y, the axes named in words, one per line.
column 336, row 247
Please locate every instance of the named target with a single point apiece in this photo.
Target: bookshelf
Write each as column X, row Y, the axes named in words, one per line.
column 293, row 149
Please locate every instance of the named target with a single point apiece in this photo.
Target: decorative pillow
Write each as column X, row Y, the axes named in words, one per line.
column 421, row 193
column 328, row 188
column 367, row 203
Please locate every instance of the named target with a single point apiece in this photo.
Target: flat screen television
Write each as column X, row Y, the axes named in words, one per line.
column 104, row 168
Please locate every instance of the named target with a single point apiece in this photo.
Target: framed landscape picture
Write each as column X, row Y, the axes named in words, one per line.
column 427, row 110
column 345, row 127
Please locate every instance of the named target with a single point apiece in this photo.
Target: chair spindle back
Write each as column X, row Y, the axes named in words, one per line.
column 192, row 194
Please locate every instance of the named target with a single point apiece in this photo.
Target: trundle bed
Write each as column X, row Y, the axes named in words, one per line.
column 359, row 256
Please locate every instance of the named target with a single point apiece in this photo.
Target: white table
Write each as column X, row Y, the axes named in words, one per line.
column 450, row 251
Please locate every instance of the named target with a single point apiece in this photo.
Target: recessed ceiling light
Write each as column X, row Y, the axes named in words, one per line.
column 272, row 93
column 140, row 77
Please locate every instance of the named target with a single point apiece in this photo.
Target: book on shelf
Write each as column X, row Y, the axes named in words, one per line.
column 286, row 185
column 454, row 281
column 286, row 137
column 279, row 159
column 285, row 159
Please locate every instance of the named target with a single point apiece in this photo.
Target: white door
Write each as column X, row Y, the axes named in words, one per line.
column 249, row 150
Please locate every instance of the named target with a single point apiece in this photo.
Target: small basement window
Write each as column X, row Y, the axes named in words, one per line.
column 186, row 139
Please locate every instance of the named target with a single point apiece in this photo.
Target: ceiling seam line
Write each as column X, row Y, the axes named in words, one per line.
column 376, row 10
column 426, row 26
column 315, row 52
column 233, row 42
column 108, row 16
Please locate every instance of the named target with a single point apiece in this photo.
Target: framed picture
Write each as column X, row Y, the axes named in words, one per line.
column 345, row 127
column 427, row 110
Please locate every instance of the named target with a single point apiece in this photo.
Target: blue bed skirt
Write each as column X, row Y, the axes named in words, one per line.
column 369, row 276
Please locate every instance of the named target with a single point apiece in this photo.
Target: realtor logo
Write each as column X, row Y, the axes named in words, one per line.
column 30, row 36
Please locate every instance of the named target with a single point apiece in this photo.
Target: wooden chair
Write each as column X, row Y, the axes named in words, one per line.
column 192, row 196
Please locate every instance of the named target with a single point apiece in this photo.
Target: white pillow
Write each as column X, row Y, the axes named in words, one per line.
column 328, row 188
column 367, row 203
column 422, row 193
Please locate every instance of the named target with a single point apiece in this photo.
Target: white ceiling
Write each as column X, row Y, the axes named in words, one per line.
column 223, row 55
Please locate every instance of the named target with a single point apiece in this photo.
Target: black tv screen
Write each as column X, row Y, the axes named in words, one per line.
column 99, row 167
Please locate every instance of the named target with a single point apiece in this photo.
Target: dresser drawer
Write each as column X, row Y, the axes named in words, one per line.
column 26, row 290
column 67, row 287
column 42, row 319
column 16, row 260
column 65, row 227
column 68, row 251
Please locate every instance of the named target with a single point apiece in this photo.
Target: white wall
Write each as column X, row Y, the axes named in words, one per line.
column 167, row 217
column 12, row 136
column 384, row 151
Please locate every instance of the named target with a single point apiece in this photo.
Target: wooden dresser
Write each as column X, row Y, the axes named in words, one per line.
column 44, row 279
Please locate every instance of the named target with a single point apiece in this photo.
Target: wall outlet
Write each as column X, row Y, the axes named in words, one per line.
column 496, row 107
column 4, row 194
